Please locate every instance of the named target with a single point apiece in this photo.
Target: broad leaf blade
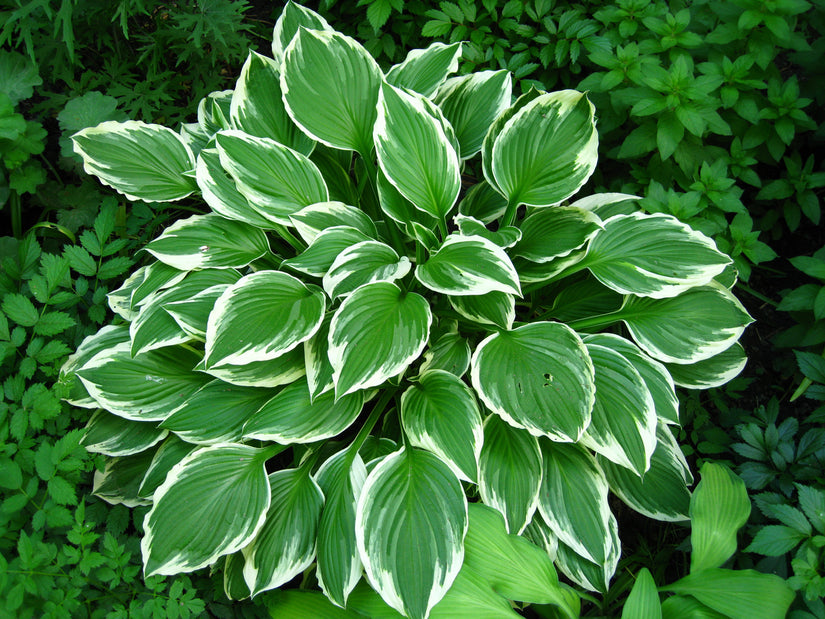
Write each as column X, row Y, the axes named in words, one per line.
column 364, row 263
column 424, row 70
column 113, row 436
column 712, row 372
column 552, row 233
column 643, row 601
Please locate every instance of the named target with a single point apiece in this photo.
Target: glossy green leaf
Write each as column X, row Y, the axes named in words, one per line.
column 290, row 21
column 277, row 180
column 652, row 255
column 450, row 352
column 662, row 494
column 505, row 237
column 573, row 500
column 403, row 212
column 410, row 526
column 687, row 607
column 216, row 413
column 538, row 377
column 439, row 412
column 471, row 103
column 120, row 480
column 492, row 308
column 547, row 150
column 719, row 507
column 550, row 233
column 302, row 603
column 623, row 421
column 643, row 601
column 424, row 70
column 696, row 325
column 257, row 108
column 285, row 545
column 282, row 370
column 141, row 161
column 147, row 387
column 311, row 220
column 262, row 316
column 469, row 265
column 364, row 263
column 509, row 472
column 483, row 202
column 738, row 594
column 414, row 152
column 211, row 504
column 316, row 361
column 324, row 249
column 292, row 417
column 106, row 337
column 337, row 112
column 341, row 479
column 192, row 314
column 170, row 452
column 114, row 436
column 712, row 372
column 375, row 334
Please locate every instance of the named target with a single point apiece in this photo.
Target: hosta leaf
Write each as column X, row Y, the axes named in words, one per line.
column 424, row 70
column 511, row 565
column 301, row 603
column 538, row 377
column 493, row 308
column 285, row 545
column 114, row 436
column 573, row 500
column 311, row 220
column 208, row 241
column 213, row 112
column 652, row 255
column 375, row 334
column 584, row 572
column 687, row 607
column 597, row 201
column 364, row 263
column 141, row 161
column 337, row 112
column 534, row 272
column 655, row 376
column 156, row 276
column 257, row 107
column 509, row 471
column 341, row 479
column 147, row 387
column 719, row 507
column 106, row 337
column 171, row 451
column 319, row 256
column 662, row 494
column 192, row 314
column 402, row 211
column 450, row 352
column 471, row 103
column 483, row 202
column 155, row 328
column 551, row 233
column 738, row 594
column 268, row 373
column 623, row 423
column 119, row 482
column 643, row 601
column 234, row 585
column 696, row 325
column 439, row 412
column 216, row 413
column 410, row 525
column 292, row 19
column 504, row 237
column 220, row 193
column 415, row 153
column 277, row 180
column 547, row 150
column 212, row 503
column 468, row 265
column 292, row 417
column 262, row 316
column 712, row 372
column 318, row 368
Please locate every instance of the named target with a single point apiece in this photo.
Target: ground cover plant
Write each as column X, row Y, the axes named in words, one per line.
column 404, row 318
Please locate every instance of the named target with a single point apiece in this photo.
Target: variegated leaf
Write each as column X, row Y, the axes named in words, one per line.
column 424, row 70
column 364, row 263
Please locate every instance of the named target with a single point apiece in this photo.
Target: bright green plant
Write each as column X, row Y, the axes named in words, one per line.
column 393, row 307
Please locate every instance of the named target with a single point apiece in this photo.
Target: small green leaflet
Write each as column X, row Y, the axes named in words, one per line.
column 415, row 153
column 257, row 107
column 547, row 150
column 538, row 377
column 510, row 472
column 212, row 503
column 410, row 526
column 276, row 179
column 285, row 544
column 424, row 70
column 141, row 161
column 337, row 112
column 652, row 255
column 469, row 265
column 375, row 334
column 262, row 316
column 439, row 412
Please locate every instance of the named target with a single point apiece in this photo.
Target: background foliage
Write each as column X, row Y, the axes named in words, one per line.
column 712, row 111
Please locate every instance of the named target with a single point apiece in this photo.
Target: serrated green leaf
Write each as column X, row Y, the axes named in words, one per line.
column 19, row 309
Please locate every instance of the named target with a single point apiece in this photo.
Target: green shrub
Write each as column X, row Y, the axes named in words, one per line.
column 327, row 368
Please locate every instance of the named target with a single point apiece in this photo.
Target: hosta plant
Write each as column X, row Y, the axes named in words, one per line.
column 393, row 323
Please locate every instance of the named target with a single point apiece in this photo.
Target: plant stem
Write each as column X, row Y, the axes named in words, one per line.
column 369, row 424
column 593, row 322
column 298, row 245
column 395, row 235
column 510, row 213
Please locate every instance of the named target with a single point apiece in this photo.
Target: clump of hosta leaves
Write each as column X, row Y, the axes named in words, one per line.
column 392, row 315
